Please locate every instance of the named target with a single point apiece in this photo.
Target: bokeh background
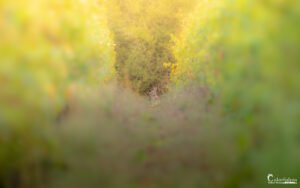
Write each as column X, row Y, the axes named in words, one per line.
column 138, row 93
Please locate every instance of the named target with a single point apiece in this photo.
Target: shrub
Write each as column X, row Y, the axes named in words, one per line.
column 142, row 36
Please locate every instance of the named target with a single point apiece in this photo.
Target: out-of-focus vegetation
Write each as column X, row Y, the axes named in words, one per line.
column 44, row 45
column 196, row 47
column 76, row 78
column 143, row 33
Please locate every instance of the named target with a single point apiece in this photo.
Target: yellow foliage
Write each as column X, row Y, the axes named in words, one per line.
column 143, row 38
column 195, row 47
column 44, row 46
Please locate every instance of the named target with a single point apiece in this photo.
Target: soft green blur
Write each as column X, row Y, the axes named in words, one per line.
column 44, row 46
column 133, row 93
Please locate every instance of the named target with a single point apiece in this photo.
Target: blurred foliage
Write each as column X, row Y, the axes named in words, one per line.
column 225, row 110
column 247, row 52
column 142, row 32
column 260, row 85
column 196, row 46
column 44, row 46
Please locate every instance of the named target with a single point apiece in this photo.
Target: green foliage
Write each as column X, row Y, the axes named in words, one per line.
column 37, row 57
column 197, row 45
column 260, row 84
column 142, row 34
column 247, row 51
column 229, row 118
column 45, row 46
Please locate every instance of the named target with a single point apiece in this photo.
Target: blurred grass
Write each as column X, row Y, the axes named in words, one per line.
column 182, row 142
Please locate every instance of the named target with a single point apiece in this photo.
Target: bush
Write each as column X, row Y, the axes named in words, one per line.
column 143, row 39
